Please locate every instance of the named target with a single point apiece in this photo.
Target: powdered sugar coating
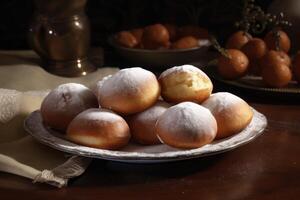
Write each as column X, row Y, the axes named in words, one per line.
column 129, row 91
column 188, row 115
column 145, row 154
column 66, row 101
column 182, row 68
column 99, row 84
column 95, row 114
column 152, row 113
column 188, row 119
column 69, row 95
column 220, row 101
column 127, row 80
column 99, row 128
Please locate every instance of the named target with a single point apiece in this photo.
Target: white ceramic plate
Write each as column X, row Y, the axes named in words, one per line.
column 134, row 153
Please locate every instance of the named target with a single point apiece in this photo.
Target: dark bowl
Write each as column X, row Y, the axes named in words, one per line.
column 160, row 58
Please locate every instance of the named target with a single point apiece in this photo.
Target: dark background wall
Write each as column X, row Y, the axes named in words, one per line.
column 108, row 16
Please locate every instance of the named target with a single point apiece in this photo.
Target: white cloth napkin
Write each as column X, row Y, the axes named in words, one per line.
column 23, row 85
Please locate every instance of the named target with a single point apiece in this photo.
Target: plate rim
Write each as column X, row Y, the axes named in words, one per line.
column 132, row 156
column 212, row 72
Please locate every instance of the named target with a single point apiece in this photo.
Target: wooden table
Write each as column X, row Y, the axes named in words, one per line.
column 267, row 168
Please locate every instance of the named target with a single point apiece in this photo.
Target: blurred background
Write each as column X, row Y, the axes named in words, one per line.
column 107, row 17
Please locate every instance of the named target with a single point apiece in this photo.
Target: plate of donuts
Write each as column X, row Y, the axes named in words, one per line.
column 133, row 116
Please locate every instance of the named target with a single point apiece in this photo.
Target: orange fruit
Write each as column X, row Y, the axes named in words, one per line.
column 155, row 36
column 185, row 43
column 172, row 29
column 284, row 41
column 234, row 66
column 255, row 49
column 137, row 33
column 277, row 75
column 126, row 39
column 273, row 57
column 238, row 40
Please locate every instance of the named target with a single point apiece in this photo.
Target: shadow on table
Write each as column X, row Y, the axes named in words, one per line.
column 118, row 173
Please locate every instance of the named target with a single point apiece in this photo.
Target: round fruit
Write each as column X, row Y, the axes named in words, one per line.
column 238, row 40
column 126, row 39
column 274, row 57
column 172, row 29
column 137, row 33
column 278, row 75
column 255, row 49
column 234, row 65
column 185, row 43
column 155, row 36
column 284, row 41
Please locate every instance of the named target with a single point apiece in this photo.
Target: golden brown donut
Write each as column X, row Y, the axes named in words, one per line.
column 142, row 125
column 185, row 83
column 232, row 113
column 186, row 125
column 66, row 101
column 129, row 91
column 99, row 128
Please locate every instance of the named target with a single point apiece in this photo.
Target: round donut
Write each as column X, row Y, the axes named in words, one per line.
column 142, row 125
column 99, row 128
column 185, row 83
column 186, row 125
column 232, row 113
column 129, row 91
column 66, row 101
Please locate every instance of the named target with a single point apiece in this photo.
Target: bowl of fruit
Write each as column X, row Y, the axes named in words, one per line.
column 161, row 45
column 260, row 64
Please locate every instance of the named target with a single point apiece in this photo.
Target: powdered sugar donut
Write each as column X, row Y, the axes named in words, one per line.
column 99, row 128
column 142, row 125
column 129, row 91
column 232, row 113
column 186, row 125
column 185, row 83
column 66, row 101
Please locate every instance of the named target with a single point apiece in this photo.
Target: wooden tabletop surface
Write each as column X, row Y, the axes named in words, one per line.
column 266, row 168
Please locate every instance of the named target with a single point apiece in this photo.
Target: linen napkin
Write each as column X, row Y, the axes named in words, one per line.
column 23, row 85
